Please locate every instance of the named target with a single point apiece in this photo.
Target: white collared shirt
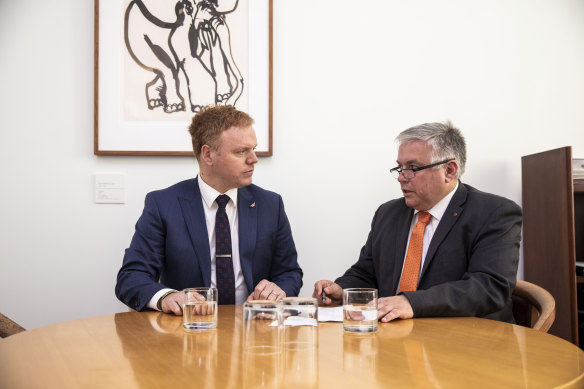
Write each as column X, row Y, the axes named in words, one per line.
column 210, row 206
column 208, row 194
column 437, row 211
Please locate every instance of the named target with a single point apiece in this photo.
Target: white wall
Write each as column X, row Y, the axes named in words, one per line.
column 347, row 78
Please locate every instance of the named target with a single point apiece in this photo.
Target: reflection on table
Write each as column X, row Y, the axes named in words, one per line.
column 150, row 350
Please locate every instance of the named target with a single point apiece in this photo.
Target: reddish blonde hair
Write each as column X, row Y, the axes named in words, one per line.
column 211, row 121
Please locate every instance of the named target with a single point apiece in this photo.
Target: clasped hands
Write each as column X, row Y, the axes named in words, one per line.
column 264, row 290
column 388, row 308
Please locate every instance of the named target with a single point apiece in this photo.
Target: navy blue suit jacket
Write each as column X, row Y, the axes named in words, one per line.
column 471, row 264
column 171, row 244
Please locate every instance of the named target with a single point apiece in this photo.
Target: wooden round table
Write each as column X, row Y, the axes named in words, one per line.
column 150, row 350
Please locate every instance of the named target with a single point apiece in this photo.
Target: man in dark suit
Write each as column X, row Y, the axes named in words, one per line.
column 174, row 246
column 467, row 261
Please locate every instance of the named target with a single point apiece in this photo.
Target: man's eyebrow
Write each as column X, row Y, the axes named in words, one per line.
column 245, row 148
column 410, row 162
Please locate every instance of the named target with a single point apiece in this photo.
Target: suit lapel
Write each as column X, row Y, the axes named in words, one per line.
column 248, row 216
column 450, row 217
column 192, row 208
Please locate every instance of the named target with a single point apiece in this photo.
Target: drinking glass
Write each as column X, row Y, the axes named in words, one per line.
column 262, row 324
column 360, row 310
column 300, row 315
column 199, row 309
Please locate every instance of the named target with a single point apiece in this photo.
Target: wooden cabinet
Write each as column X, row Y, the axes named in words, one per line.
column 553, row 235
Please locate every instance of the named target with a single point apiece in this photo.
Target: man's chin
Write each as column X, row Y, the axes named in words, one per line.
column 245, row 182
column 410, row 202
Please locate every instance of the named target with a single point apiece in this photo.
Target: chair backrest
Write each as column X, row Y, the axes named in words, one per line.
column 8, row 327
column 533, row 306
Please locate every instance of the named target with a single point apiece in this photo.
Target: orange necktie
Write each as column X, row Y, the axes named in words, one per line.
column 409, row 279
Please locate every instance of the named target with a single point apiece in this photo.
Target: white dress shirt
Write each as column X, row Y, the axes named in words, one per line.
column 210, row 207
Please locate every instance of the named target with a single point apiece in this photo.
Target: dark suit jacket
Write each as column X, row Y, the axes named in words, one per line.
column 171, row 244
column 471, row 264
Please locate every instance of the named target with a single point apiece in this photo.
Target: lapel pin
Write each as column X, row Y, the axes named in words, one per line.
column 252, row 205
column 455, row 213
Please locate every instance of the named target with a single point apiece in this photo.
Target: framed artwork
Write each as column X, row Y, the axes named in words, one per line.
column 158, row 62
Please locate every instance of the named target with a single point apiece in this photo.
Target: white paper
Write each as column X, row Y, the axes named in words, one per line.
column 294, row 321
column 300, row 321
column 330, row 314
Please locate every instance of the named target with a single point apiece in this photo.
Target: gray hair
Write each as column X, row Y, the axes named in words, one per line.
column 446, row 141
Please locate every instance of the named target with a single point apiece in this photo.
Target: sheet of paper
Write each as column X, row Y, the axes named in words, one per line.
column 330, row 314
column 300, row 321
column 295, row 321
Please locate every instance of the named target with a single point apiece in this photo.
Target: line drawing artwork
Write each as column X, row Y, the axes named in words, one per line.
column 189, row 55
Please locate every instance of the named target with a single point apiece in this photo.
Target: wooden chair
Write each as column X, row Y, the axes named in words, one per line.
column 8, row 327
column 533, row 306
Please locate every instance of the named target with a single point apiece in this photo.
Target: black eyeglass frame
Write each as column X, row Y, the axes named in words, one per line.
column 399, row 170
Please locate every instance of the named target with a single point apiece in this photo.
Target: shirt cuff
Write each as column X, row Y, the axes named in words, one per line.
column 154, row 300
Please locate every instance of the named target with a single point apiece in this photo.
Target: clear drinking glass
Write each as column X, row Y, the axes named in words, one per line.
column 300, row 342
column 300, row 315
column 199, row 309
column 360, row 310
column 262, row 325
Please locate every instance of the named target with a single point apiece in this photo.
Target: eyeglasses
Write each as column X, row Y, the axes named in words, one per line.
column 408, row 174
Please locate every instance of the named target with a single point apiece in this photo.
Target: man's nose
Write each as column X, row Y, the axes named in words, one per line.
column 253, row 158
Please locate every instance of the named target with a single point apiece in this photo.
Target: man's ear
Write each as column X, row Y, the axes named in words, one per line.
column 207, row 155
column 451, row 169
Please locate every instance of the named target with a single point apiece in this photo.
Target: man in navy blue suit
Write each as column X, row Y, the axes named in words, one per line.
column 466, row 263
column 174, row 243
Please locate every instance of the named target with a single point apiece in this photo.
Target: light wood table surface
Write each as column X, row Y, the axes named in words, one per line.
column 150, row 350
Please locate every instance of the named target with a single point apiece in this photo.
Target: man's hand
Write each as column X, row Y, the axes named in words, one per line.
column 333, row 292
column 394, row 307
column 172, row 303
column 266, row 290
column 204, row 309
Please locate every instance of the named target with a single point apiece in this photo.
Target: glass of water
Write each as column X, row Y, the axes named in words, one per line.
column 199, row 309
column 360, row 310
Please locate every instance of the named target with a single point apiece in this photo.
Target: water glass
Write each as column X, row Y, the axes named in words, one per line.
column 199, row 309
column 360, row 310
column 300, row 315
column 261, row 369
column 262, row 325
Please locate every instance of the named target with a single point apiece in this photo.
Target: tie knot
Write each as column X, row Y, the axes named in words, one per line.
column 222, row 200
column 424, row 217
